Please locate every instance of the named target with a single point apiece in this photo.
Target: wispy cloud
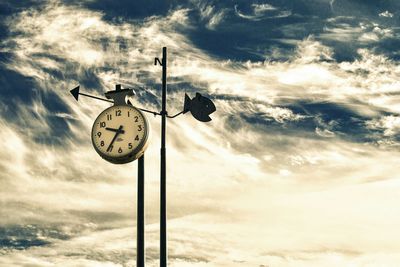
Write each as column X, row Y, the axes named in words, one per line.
column 262, row 11
column 292, row 165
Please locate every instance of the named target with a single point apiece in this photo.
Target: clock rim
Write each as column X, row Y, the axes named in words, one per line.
column 134, row 154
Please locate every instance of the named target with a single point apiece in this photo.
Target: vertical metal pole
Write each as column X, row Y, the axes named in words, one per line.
column 163, row 196
column 140, row 255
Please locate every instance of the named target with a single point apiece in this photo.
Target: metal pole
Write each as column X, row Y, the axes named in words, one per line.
column 140, row 256
column 163, row 197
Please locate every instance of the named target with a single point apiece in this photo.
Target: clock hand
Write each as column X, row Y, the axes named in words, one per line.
column 115, row 130
column 115, row 137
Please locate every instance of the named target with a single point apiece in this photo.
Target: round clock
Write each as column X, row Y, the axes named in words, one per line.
column 120, row 134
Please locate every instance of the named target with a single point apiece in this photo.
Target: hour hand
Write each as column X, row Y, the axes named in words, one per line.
column 115, row 130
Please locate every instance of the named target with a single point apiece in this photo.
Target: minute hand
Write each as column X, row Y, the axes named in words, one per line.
column 115, row 137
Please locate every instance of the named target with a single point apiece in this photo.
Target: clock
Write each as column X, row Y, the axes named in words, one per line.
column 120, row 134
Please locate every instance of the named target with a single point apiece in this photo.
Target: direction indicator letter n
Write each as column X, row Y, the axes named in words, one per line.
column 157, row 60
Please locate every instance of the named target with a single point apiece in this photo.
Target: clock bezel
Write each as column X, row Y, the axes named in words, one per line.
column 134, row 154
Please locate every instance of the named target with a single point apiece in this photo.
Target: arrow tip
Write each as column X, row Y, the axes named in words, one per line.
column 75, row 92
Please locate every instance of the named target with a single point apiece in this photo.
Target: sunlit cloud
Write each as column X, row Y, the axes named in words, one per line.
column 297, row 168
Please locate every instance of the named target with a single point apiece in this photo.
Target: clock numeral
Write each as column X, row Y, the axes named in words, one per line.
column 118, row 113
column 139, row 128
column 99, row 134
column 102, row 143
column 130, row 146
column 137, row 138
column 102, row 124
column 120, row 150
column 128, row 114
column 110, row 148
column 109, row 117
column 136, row 118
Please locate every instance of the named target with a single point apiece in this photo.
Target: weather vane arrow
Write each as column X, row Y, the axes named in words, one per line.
column 118, row 95
column 75, row 92
column 200, row 106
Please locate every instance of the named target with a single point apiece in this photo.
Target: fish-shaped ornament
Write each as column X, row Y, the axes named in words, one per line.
column 200, row 107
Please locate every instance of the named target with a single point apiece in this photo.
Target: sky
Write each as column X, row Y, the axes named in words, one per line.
column 298, row 167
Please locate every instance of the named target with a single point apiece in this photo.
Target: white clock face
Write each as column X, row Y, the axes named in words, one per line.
column 119, row 134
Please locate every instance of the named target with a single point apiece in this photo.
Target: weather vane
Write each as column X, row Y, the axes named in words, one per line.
column 120, row 134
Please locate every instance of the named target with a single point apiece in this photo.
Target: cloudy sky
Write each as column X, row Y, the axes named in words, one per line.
column 299, row 166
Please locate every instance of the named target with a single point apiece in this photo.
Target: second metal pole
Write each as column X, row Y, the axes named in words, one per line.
column 140, row 251
column 163, row 193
